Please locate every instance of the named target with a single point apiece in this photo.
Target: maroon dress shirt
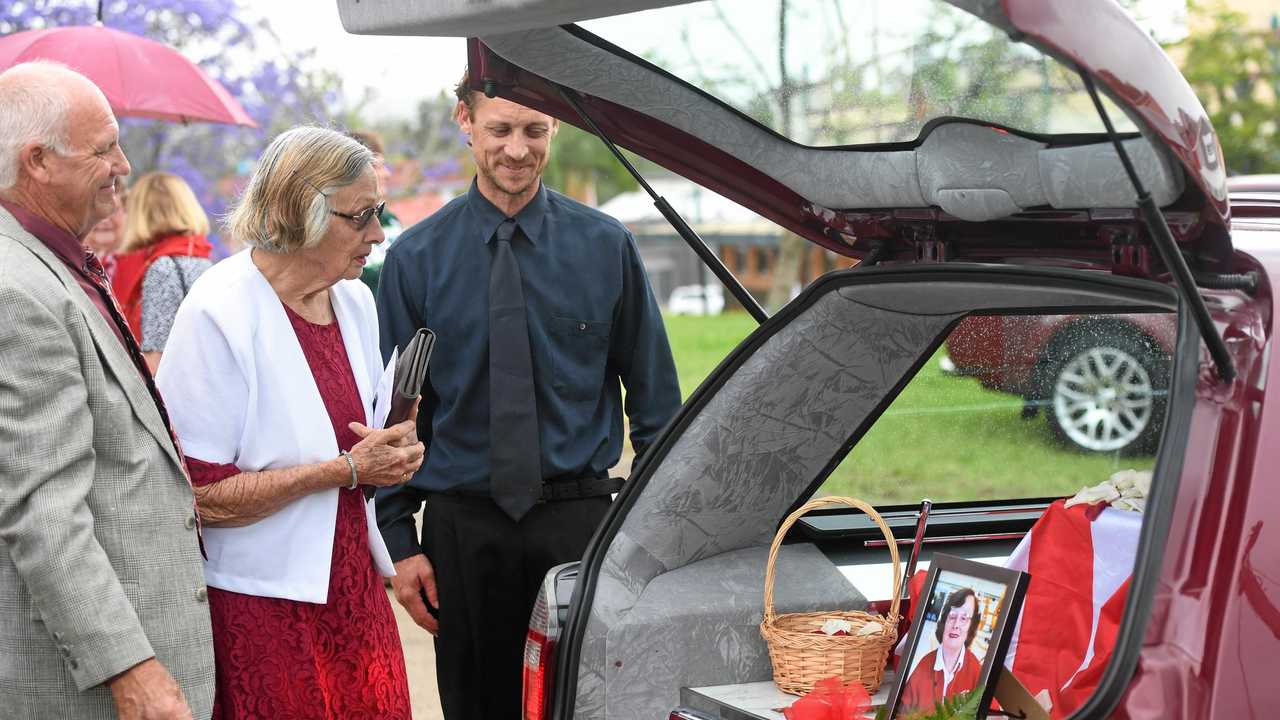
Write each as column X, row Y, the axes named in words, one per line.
column 68, row 249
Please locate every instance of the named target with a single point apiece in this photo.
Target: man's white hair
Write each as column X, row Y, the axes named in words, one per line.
column 34, row 110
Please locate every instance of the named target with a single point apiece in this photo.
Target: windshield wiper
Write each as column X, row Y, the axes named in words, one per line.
column 1163, row 240
column 696, row 243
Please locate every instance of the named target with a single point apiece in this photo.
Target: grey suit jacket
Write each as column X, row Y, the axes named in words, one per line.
column 100, row 566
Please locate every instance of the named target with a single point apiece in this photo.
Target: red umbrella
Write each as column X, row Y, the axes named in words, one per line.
column 140, row 77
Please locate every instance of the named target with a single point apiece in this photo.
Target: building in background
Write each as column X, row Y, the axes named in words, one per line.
column 744, row 241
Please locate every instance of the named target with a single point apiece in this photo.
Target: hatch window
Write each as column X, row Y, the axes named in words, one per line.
column 1019, row 406
column 852, row 72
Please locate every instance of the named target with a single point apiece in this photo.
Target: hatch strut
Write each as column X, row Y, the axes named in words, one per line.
column 691, row 237
column 1162, row 238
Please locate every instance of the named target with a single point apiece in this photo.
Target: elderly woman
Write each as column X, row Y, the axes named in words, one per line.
column 269, row 377
column 952, row 668
column 164, row 251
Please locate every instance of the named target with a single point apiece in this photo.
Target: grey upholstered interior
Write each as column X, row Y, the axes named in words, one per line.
column 713, row 502
column 700, row 623
column 971, row 171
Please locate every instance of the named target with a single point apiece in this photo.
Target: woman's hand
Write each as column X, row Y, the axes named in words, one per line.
column 387, row 457
column 382, row 457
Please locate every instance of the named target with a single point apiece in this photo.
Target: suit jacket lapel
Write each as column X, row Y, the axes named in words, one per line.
column 112, row 351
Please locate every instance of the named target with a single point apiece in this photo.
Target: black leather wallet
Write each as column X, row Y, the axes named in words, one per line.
column 406, row 385
column 411, row 372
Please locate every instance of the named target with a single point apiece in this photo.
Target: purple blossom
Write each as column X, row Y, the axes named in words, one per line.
column 275, row 86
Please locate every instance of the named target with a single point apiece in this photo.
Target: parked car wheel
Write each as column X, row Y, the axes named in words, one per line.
column 1104, row 389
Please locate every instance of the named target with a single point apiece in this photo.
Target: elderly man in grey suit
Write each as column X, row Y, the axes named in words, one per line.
column 103, row 607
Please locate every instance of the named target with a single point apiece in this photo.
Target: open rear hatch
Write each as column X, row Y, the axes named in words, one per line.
column 1013, row 131
column 900, row 155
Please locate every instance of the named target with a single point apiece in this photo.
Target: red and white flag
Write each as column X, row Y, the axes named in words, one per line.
column 1080, row 560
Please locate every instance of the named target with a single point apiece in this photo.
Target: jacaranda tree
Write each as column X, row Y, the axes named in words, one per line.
column 276, row 87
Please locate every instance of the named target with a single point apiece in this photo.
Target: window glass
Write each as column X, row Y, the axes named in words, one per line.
column 1019, row 406
column 847, row 72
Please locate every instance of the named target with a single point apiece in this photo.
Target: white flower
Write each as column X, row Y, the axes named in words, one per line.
column 833, row 626
column 871, row 628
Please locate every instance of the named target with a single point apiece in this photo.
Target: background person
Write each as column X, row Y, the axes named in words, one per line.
column 164, row 251
column 952, row 668
column 269, row 373
column 102, row 599
column 390, row 223
column 541, row 306
column 107, row 237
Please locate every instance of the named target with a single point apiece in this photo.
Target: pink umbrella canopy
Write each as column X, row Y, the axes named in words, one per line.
column 140, row 77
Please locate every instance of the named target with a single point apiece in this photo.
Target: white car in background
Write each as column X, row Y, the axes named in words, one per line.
column 696, row 300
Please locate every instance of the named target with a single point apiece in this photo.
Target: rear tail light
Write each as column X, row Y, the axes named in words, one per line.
column 539, row 651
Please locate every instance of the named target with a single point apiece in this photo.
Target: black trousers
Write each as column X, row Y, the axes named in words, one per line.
column 488, row 571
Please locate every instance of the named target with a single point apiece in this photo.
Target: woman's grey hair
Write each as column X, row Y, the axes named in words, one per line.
column 35, row 110
column 284, row 208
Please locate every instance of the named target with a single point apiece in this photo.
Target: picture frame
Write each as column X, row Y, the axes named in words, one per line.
column 955, row 590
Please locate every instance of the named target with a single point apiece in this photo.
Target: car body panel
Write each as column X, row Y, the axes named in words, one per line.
column 1214, row 623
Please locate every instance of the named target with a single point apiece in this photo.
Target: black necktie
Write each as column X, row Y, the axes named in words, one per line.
column 515, row 458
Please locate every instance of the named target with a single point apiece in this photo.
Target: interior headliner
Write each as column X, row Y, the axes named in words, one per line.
column 968, row 169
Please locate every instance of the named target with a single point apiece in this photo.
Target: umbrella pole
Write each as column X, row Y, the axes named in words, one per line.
column 99, row 12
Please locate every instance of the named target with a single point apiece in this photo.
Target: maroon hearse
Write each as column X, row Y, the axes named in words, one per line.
column 990, row 161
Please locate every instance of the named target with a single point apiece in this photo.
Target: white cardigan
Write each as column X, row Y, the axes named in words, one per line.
column 239, row 391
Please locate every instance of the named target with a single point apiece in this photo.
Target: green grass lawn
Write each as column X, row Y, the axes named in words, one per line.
column 700, row 343
column 944, row 437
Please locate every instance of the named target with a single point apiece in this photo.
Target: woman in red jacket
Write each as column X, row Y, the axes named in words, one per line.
column 165, row 250
column 952, row 668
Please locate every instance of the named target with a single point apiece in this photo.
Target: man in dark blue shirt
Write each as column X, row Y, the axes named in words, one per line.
column 555, row 402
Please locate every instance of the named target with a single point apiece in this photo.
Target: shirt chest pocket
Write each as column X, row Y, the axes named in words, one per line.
column 580, row 352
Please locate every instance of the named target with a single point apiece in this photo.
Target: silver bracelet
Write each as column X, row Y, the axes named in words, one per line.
column 351, row 462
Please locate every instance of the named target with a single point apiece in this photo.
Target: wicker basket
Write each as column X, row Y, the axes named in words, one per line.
column 802, row 657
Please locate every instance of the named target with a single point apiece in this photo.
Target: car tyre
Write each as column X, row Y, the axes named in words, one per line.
column 1104, row 388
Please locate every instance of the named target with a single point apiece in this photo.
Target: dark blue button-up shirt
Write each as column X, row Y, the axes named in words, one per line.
column 592, row 322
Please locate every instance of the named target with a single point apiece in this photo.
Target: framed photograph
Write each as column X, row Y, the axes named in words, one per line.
column 960, row 632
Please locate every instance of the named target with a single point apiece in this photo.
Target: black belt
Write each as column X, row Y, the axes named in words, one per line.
column 577, row 488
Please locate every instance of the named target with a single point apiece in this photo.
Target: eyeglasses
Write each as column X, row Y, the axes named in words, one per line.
column 958, row 618
column 362, row 218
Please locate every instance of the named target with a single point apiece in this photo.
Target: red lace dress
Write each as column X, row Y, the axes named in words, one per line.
column 289, row 660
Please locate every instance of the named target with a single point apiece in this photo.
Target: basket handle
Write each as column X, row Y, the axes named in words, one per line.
column 769, row 614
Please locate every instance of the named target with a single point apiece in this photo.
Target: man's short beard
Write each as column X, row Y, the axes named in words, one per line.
column 492, row 177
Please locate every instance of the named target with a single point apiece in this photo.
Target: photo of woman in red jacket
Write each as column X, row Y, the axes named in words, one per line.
column 952, row 668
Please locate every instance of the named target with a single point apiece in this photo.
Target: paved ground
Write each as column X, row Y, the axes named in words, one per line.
column 420, row 658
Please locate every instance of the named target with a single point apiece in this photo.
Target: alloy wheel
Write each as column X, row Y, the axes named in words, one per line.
column 1103, row 399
